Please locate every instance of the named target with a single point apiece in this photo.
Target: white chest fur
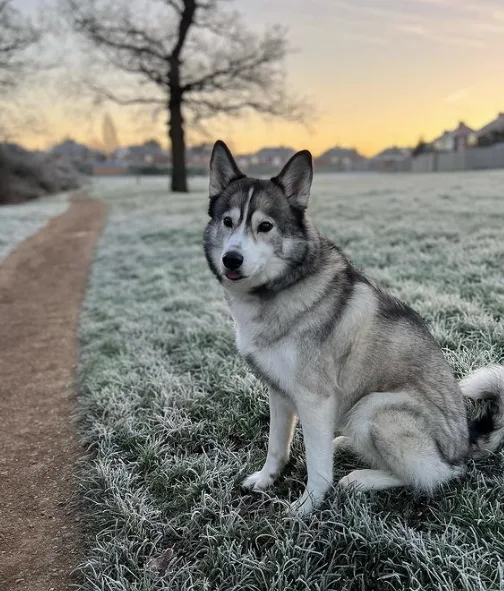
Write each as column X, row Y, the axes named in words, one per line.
column 279, row 364
column 278, row 361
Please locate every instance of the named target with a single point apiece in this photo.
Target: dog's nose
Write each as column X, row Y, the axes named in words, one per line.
column 232, row 260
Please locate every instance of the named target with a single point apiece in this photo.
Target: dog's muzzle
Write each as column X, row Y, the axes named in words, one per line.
column 232, row 260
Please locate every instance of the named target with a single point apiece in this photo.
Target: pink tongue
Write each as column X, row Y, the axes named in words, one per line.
column 233, row 275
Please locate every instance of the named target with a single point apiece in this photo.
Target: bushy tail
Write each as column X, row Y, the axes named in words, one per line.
column 486, row 430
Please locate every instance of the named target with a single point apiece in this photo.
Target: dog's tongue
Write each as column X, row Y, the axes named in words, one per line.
column 233, row 275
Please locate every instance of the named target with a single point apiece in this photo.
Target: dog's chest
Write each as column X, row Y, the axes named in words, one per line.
column 277, row 366
column 277, row 363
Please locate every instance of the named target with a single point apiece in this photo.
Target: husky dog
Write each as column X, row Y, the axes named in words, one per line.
column 334, row 349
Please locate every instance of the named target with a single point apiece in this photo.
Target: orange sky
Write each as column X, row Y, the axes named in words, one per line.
column 380, row 72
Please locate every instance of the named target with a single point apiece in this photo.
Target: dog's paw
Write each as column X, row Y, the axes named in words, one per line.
column 303, row 506
column 364, row 480
column 259, row 480
column 351, row 481
column 308, row 502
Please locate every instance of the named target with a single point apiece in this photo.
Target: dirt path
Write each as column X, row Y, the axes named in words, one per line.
column 42, row 284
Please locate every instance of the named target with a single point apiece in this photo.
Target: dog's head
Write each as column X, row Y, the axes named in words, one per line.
column 257, row 230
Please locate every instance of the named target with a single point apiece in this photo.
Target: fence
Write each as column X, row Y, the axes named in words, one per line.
column 469, row 159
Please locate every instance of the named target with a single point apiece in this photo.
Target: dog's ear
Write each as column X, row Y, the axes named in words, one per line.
column 223, row 168
column 296, row 178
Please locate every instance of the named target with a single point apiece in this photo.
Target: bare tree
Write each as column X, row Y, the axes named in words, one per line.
column 17, row 34
column 191, row 58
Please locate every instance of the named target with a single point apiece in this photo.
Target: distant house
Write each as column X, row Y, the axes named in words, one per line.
column 444, row 143
column 149, row 153
column 162, row 159
column 338, row 158
column 490, row 133
column 272, row 157
column 453, row 141
column 244, row 161
column 199, row 156
column 393, row 159
column 71, row 151
column 393, row 154
column 461, row 136
column 109, row 168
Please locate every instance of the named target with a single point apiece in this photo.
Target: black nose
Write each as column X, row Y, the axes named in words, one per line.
column 232, row 260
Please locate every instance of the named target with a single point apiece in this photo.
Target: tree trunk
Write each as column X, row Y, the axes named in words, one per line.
column 176, row 133
column 176, row 121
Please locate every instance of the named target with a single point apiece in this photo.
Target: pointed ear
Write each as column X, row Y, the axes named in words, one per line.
column 296, row 178
column 223, row 168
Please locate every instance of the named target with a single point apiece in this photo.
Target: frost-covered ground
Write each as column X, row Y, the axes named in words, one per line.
column 174, row 421
column 18, row 222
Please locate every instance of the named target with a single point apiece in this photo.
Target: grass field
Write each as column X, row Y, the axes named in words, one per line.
column 17, row 222
column 173, row 420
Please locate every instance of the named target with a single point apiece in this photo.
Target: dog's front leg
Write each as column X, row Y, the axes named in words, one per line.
column 282, row 422
column 317, row 415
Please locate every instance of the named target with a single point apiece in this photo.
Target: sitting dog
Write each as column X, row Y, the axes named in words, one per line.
column 336, row 350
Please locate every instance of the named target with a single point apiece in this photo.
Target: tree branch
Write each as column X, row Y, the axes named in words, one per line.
column 186, row 20
column 17, row 34
column 102, row 94
column 199, row 57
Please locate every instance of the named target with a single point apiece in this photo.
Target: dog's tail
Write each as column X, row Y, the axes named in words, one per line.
column 486, row 430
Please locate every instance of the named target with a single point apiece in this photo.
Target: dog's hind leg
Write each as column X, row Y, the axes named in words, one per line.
column 342, row 443
column 281, row 429
column 395, row 433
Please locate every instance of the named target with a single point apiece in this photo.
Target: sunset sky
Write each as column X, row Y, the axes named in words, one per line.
column 380, row 72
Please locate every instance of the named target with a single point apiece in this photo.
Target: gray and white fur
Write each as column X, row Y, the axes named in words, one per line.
column 336, row 350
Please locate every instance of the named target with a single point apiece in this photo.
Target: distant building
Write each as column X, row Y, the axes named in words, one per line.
column 444, row 143
column 109, row 131
column 149, row 153
column 272, row 157
column 109, row 168
column 199, row 156
column 71, row 151
column 490, row 133
column 243, row 161
column 339, row 159
column 461, row 136
column 393, row 159
column 454, row 141
column 162, row 159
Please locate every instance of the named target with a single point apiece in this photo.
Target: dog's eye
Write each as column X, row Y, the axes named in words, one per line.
column 228, row 222
column 264, row 227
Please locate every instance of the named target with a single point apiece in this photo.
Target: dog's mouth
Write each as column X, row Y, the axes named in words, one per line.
column 234, row 275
